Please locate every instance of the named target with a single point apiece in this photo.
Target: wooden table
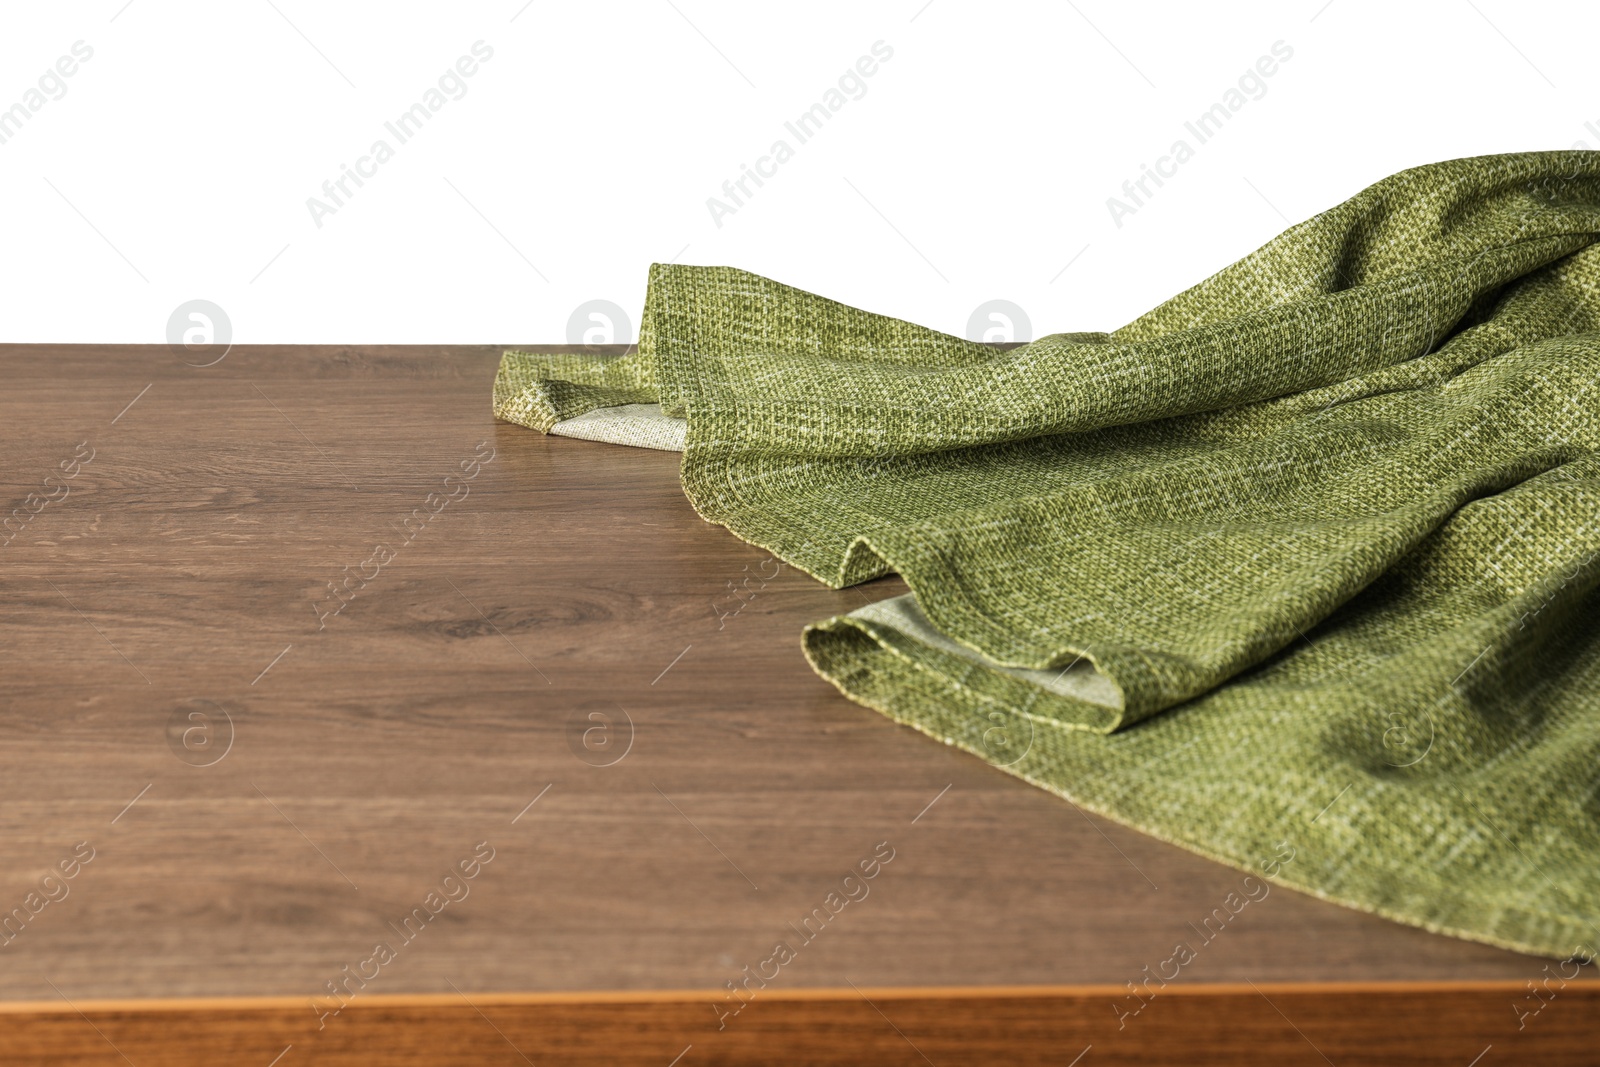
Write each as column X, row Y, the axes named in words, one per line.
column 291, row 638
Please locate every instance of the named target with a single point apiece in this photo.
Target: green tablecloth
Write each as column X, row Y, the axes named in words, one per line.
column 1298, row 570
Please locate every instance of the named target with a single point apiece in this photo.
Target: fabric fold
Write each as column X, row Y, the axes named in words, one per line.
column 1333, row 499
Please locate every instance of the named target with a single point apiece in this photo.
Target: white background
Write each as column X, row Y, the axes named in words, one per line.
column 977, row 165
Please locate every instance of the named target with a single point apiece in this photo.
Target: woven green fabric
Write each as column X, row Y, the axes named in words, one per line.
column 1327, row 525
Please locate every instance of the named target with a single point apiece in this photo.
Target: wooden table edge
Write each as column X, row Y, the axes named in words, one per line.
column 1247, row 1024
column 1192, row 990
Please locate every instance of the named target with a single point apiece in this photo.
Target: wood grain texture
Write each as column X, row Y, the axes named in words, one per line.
column 1240, row 1026
column 499, row 653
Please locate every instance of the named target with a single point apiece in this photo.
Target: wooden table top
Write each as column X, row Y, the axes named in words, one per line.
column 295, row 641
